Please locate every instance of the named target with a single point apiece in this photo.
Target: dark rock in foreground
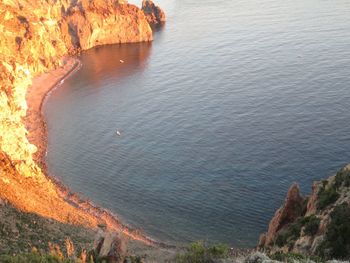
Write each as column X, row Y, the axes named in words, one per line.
column 316, row 225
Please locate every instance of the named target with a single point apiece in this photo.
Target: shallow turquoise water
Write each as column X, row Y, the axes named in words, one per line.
column 232, row 102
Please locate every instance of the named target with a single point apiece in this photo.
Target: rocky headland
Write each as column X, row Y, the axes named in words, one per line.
column 38, row 41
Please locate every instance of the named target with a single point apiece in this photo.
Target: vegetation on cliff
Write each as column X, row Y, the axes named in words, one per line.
column 27, row 237
column 199, row 252
column 23, row 233
column 336, row 243
column 322, row 229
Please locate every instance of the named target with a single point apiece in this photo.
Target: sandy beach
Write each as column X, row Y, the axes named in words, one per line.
column 35, row 97
column 37, row 135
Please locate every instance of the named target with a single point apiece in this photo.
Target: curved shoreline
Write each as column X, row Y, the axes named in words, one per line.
column 36, row 97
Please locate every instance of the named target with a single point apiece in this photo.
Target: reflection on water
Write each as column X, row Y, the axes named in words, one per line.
column 232, row 102
column 114, row 61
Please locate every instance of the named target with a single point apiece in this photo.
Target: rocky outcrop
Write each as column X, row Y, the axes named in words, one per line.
column 110, row 247
column 288, row 213
column 93, row 23
column 319, row 227
column 154, row 14
column 35, row 36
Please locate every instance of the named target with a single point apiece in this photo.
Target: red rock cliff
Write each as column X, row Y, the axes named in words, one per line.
column 317, row 225
column 286, row 214
column 35, row 36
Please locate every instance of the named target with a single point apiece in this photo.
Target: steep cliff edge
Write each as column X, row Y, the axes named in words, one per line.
column 315, row 225
column 35, row 37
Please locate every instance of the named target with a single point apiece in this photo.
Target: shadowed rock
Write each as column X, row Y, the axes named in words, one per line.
column 292, row 209
column 110, row 247
column 154, row 14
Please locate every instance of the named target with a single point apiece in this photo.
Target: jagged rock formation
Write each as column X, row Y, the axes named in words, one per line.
column 35, row 36
column 288, row 213
column 317, row 225
column 154, row 14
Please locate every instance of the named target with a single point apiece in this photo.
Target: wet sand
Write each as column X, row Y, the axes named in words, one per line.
column 35, row 97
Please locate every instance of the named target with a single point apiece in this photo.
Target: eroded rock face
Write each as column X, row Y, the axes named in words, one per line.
column 154, row 14
column 93, row 23
column 318, row 228
column 311, row 204
column 35, row 36
column 292, row 209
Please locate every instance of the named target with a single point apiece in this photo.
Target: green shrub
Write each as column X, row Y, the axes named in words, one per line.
column 324, row 183
column 292, row 232
column 293, row 257
column 342, row 178
column 33, row 257
column 327, row 197
column 134, row 259
column 198, row 252
column 289, row 234
column 337, row 239
column 311, row 224
column 281, row 239
column 219, row 250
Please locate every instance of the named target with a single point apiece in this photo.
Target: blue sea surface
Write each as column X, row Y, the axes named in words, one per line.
column 232, row 103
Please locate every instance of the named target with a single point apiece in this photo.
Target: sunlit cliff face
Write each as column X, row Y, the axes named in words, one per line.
column 35, row 35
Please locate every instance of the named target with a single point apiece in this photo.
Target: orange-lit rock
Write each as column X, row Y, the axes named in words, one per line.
column 292, row 209
column 97, row 22
column 35, row 36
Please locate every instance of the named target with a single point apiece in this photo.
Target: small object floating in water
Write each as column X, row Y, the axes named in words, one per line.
column 121, row 61
column 118, row 133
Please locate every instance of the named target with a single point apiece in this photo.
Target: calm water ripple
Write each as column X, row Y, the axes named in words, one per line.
column 232, row 102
